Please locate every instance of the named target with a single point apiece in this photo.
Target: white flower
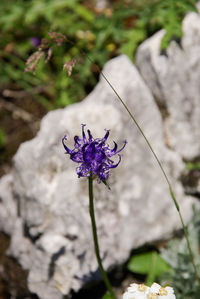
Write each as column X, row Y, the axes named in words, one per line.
column 163, row 293
column 136, row 291
column 140, row 291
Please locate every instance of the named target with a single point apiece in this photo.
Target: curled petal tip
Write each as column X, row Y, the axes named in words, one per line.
column 115, row 165
column 106, row 135
column 125, row 142
column 83, row 133
column 90, row 135
column 68, row 151
column 114, row 150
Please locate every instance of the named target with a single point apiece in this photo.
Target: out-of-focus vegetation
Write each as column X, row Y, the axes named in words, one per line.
column 172, row 266
column 100, row 33
column 2, row 138
column 193, row 166
column 182, row 277
column 150, row 264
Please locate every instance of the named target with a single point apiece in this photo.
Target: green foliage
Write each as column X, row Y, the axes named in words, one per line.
column 107, row 296
column 169, row 14
column 193, row 166
column 2, row 138
column 150, row 264
column 182, row 277
column 155, row 15
column 119, row 29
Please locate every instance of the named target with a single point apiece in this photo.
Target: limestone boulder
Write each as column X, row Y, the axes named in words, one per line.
column 173, row 78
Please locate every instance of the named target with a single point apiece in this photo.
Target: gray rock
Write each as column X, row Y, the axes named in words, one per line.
column 8, row 206
column 174, row 81
column 52, row 235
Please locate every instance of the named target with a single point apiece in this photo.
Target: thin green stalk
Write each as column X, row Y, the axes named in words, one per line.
column 164, row 173
column 95, row 238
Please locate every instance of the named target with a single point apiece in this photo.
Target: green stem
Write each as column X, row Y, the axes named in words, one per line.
column 165, row 175
column 95, row 238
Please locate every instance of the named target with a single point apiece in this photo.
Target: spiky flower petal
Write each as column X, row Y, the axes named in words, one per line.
column 93, row 155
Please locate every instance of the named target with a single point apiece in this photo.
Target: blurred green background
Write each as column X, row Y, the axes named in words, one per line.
column 101, row 29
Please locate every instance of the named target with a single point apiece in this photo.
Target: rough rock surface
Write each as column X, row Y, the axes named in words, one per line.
column 44, row 206
column 174, row 80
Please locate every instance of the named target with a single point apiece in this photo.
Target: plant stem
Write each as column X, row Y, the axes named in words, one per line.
column 95, row 238
column 164, row 173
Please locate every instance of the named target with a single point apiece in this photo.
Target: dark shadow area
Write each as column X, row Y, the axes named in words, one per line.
column 13, row 279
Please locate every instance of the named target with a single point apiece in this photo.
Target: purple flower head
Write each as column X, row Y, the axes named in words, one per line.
column 35, row 41
column 93, row 155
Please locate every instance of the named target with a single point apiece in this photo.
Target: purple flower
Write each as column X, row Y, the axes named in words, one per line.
column 35, row 41
column 93, row 155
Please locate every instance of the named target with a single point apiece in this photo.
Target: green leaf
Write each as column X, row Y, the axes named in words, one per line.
column 2, row 138
column 107, row 296
column 106, row 183
column 134, row 37
column 150, row 264
column 193, row 166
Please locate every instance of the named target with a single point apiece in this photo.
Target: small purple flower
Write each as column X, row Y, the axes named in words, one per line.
column 93, row 155
column 35, row 41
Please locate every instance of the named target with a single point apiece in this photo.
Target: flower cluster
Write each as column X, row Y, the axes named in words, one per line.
column 141, row 291
column 93, row 155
